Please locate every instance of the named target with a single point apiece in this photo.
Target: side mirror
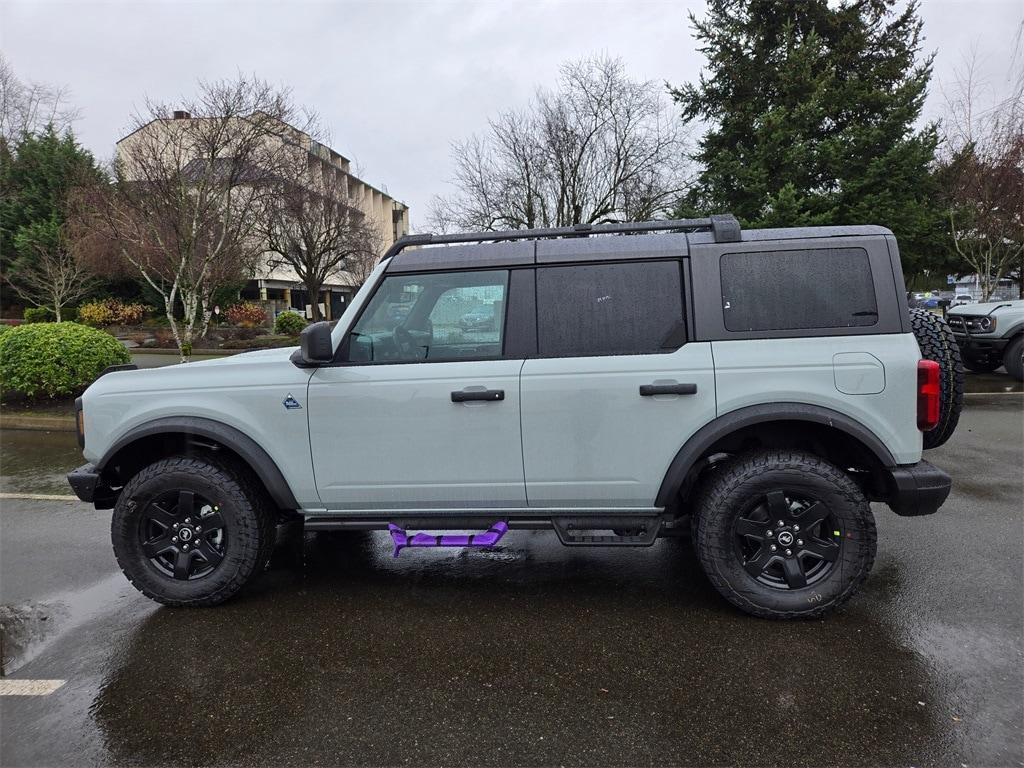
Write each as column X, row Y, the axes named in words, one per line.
column 315, row 345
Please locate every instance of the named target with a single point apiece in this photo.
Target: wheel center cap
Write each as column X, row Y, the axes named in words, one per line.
column 785, row 538
column 185, row 534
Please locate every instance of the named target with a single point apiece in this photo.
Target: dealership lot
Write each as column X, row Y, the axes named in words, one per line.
column 528, row 654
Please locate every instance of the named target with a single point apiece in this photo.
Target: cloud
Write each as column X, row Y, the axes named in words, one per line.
column 395, row 82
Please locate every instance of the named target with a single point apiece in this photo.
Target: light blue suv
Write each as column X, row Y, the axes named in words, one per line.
column 753, row 389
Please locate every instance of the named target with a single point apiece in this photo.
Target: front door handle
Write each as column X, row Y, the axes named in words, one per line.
column 648, row 390
column 464, row 395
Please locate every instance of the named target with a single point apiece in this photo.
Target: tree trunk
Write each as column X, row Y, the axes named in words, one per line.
column 313, row 288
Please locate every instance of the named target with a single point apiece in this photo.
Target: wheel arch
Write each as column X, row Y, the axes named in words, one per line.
column 792, row 425
column 152, row 440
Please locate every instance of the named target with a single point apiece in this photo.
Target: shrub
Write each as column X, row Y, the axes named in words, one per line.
column 289, row 323
column 246, row 314
column 55, row 359
column 111, row 312
column 37, row 315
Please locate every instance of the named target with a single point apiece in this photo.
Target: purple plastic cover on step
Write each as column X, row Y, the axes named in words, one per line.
column 488, row 538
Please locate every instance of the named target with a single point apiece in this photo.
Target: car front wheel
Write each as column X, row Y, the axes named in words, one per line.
column 191, row 531
column 784, row 534
column 1013, row 358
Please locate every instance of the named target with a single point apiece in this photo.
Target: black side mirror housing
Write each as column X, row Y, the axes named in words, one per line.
column 315, row 347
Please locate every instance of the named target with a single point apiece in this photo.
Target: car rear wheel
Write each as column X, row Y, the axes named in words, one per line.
column 784, row 534
column 191, row 531
column 1013, row 358
column 936, row 341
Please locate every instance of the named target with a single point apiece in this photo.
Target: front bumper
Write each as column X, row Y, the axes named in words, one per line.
column 88, row 485
column 918, row 489
column 975, row 346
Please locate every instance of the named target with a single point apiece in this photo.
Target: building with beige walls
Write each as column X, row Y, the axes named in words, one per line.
column 277, row 286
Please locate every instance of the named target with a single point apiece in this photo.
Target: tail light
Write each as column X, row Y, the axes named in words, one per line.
column 927, row 395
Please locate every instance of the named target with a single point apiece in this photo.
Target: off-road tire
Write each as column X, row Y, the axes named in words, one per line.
column 980, row 366
column 730, row 490
column 249, row 524
column 1013, row 358
column 936, row 341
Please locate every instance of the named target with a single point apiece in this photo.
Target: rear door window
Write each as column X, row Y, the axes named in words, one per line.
column 792, row 290
column 609, row 309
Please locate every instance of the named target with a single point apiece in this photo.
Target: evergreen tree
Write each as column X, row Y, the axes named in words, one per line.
column 36, row 180
column 811, row 108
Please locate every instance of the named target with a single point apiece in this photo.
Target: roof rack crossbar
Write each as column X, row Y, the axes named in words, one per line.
column 724, row 227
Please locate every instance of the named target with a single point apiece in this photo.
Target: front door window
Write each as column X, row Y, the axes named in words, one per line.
column 432, row 318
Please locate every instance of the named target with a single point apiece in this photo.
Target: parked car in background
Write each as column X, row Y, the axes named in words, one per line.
column 962, row 298
column 479, row 319
column 990, row 335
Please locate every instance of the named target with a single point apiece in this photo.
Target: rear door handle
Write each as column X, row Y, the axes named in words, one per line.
column 463, row 395
column 648, row 390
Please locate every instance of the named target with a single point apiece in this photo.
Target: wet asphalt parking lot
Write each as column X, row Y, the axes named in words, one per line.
column 530, row 654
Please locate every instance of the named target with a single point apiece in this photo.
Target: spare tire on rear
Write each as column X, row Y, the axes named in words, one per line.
column 937, row 343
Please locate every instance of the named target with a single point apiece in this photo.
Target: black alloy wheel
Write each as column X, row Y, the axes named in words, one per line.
column 783, row 534
column 787, row 540
column 183, row 535
column 193, row 530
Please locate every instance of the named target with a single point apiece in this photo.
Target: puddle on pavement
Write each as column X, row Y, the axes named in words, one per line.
column 27, row 630
column 33, row 461
column 613, row 658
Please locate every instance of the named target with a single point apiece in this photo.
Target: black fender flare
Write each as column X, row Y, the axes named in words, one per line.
column 231, row 438
column 732, row 421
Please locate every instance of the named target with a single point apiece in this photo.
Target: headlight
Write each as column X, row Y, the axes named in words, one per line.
column 987, row 324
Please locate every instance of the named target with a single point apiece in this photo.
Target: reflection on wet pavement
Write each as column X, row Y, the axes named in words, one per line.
column 541, row 656
column 36, row 462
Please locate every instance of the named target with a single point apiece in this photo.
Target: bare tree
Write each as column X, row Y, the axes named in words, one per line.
column 312, row 224
column 601, row 147
column 982, row 172
column 55, row 276
column 30, row 107
column 190, row 186
column 359, row 265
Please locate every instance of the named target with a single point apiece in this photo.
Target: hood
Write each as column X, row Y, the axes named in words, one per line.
column 259, row 356
column 994, row 308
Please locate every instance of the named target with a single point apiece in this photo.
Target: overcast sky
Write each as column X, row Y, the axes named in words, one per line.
column 395, row 82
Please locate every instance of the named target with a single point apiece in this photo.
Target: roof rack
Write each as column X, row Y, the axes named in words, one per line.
column 724, row 227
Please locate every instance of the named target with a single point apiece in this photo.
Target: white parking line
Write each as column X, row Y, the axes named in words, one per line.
column 10, row 687
column 38, row 497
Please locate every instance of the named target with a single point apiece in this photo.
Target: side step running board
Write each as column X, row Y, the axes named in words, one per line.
column 488, row 538
column 625, row 531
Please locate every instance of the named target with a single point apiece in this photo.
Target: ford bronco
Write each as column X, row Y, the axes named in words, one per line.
column 990, row 335
column 752, row 389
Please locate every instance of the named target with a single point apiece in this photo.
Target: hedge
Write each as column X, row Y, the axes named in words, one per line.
column 111, row 312
column 37, row 315
column 289, row 324
column 55, row 359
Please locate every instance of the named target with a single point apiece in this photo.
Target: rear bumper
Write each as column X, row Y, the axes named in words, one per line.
column 918, row 489
column 88, row 485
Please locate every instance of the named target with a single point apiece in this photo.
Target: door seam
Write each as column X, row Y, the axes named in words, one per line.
column 522, row 444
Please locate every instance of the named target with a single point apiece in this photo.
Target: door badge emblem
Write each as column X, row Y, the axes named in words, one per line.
column 291, row 403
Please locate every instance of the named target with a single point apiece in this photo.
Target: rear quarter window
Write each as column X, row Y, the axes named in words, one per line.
column 799, row 289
